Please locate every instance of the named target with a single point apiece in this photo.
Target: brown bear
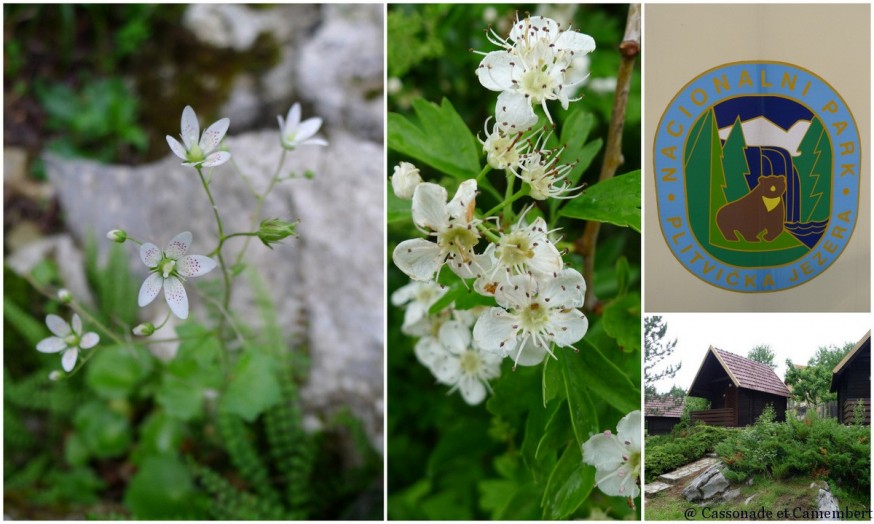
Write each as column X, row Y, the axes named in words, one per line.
column 759, row 211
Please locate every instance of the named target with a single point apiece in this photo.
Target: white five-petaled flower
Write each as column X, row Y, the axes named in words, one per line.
column 170, row 268
column 535, row 312
column 503, row 149
column 293, row 132
column 533, row 67
column 405, row 179
column 418, row 297
column 199, row 150
column 525, row 249
column 68, row 338
column 546, row 176
column 454, row 227
column 617, row 458
column 453, row 359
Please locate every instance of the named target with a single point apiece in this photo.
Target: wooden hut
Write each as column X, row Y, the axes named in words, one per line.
column 661, row 414
column 738, row 390
column 851, row 379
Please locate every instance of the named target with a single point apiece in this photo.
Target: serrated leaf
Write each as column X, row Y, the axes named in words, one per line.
column 438, row 137
column 254, row 386
column 397, row 209
column 558, row 431
column 568, row 486
column 553, row 382
column 160, row 489
column 584, row 418
column 606, row 381
column 622, row 321
column 614, row 201
column 115, row 371
column 535, row 428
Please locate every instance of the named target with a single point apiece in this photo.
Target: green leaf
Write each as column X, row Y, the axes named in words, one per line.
column 438, row 137
column 603, row 378
column 553, row 383
column 104, row 432
column 18, row 319
column 254, row 386
column 181, row 391
column 568, row 486
column 614, row 201
column 161, row 489
column 459, row 293
column 584, row 418
column 535, row 429
column 115, row 371
column 559, row 431
column 622, row 321
column 160, row 434
column 397, row 209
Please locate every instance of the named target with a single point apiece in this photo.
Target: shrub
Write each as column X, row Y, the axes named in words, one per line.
column 667, row 452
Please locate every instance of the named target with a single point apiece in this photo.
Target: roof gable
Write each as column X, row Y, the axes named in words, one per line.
column 742, row 372
column 861, row 347
column 670, row 407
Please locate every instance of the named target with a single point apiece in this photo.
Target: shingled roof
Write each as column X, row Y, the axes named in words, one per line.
column 670, row 407
column 746, row 373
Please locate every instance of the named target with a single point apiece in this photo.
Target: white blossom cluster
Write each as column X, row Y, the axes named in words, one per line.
column 538, row 298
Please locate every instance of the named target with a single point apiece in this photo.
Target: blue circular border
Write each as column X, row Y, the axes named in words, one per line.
column 669, row 174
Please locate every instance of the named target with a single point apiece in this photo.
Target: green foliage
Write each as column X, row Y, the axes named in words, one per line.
column 161, row 489
column 614, row 201
column 811, row 384
column 254, row 386
column 811, row 447
column 115, row 288
column 665, row 453
column 657, row 349
column 763, row 354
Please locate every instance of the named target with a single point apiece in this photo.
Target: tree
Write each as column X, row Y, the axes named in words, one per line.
column 811, row 383
column 656, row 349
column 763, row 354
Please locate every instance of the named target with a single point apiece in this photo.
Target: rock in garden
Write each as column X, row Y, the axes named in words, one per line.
column 826, row 502
column 707, row 485
column 731, row 495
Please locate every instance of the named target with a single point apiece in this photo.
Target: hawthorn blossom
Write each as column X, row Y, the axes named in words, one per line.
column 532, row 67
column 418, row 297
column 68, row 339
column 617, row 458
column 405, row 180
column 293, row 132
column 525, row 249
column 202, row 152
column 453, row 226
column 546, row 176
column 455, row 362
column 534, row 312
column 170, row 268
column 503, row 149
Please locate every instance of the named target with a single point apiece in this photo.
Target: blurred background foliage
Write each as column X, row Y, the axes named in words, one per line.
column 448, row 460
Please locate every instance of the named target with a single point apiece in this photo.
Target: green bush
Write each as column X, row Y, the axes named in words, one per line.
column 668, row 452
column 813, row 447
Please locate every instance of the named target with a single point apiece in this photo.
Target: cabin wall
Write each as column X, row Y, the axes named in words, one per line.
column 752, row 403
column 660, row 425
column 855, row 384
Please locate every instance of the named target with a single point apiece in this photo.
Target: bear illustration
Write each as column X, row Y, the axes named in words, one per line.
column 757, row 215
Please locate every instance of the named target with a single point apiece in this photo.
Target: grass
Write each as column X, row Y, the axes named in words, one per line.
column 786, row 499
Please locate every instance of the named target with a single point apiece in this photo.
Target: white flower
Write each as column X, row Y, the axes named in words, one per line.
column 117, row 235
column 293, row 132
column 169, row 269
column 617, row 458
column 503, row 149
column 535, row 312
column 533, row 67
column 525, row 249
column 68, row 338
column 456, row 363
column 418, row 298
column 546, row 175
column 202, row 152
column 405, row 179
column 454, row 227
column 65, row 296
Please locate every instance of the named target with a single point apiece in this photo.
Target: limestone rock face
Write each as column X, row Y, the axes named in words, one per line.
column 327, row 284
column 706, row 485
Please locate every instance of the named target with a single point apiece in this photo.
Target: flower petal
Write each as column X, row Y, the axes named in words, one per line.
column 514, row 112
column 517, row 292
column 463, row 204
column 546, row 259
column 404, row 294
column 315, row 141
column 454, row 336
column 567, row 289
column 534, row 28
column 308, row 128
column 418, row 258
column 429, row 206
column 190, row 128
column 176, row 297
column 177, row 148
column 531, row 354
column 195, row 265
column 68, row 359
column 628, row 430
column 179, row 245
column 578, row 43
column 58, row 325
column 150, row 288
column 603, row 451
column 619, row 482
column 51, row 345
column 472, row 389
column 150, row 254
column 76, row 324
column 567, row 327
column 495, row 71
column 281, row 124
column 428, row 350
column 495, row 331
column 292, row 120
column 216, row 158
column 447, row 368
column 213, row 135
column 89, row 340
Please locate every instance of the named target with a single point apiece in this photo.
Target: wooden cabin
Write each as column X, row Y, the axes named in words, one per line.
column 738, row 390
column 851, row 379
column 661, row 414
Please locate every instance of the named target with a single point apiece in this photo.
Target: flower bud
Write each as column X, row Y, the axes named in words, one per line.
column 117, row 235
column 144, row 330
column 65, row 296
column 405, row 179
column 55, row 376
column 272, row 230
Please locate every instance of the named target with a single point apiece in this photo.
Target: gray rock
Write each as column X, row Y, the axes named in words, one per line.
column 707, row 485
column 731, row 495
column 71, row 263
column 237, row 26
column 748, row 500
column 327, row 285
column 826, row 502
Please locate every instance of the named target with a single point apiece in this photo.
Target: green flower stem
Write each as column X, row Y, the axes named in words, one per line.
column 261, row 199
column 221, row 233
column 507, row 202
column 482, row 174
column 488, row 233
